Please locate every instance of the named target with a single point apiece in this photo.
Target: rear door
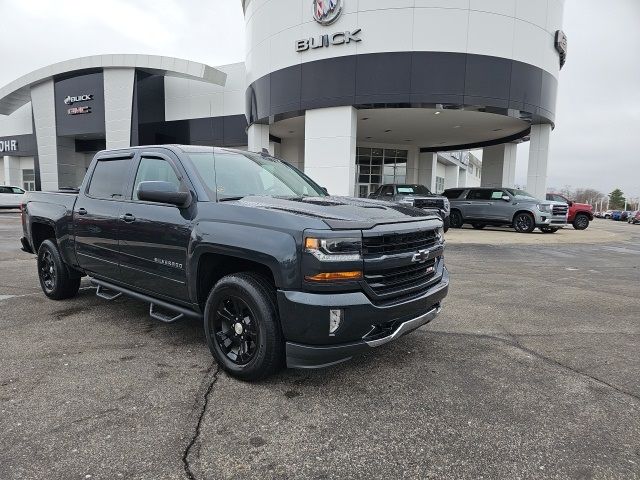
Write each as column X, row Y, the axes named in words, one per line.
column 477, row 203
column 96, row 214
column 154, row 237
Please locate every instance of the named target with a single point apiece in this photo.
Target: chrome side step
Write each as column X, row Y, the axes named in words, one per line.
column 162, row 317
column 154, row 303
column 100, row 292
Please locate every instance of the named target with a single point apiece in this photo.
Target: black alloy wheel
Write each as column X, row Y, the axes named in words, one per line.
column 581, row 222
column 47, row 271
column 57, row 280
column 524, row 223
column 242, row 326
column 235, row 329
column 456, row 220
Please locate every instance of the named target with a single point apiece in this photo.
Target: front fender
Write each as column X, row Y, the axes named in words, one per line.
column 274, row 249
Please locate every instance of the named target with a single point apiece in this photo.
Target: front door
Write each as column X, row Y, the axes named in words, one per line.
column 154, row 238
column 477, row 204
column 95, row 217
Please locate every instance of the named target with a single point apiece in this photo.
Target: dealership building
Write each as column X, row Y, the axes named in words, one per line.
column 355, row 93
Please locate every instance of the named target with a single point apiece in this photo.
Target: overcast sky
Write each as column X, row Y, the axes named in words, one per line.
column 598, row 116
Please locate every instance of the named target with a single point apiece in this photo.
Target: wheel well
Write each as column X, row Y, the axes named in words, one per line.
column 523, row 211
column 41, row 232
column 212, row 267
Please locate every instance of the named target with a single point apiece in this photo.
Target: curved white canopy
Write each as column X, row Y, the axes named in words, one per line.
column 18, row 93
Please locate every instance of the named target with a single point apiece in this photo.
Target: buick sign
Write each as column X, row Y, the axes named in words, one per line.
column 338, row 38
column 80, row 98
column 562, row 46
column 325, row 12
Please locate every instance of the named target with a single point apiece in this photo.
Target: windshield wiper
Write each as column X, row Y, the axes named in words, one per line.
column 230, row 199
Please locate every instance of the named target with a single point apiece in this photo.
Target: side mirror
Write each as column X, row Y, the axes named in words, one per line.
column 163, row 192
column 570, row 203
column 506, row 198
column 326, row 192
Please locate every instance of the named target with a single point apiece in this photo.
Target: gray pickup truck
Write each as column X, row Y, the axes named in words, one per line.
column 278, row 272
column 417, row 196
column 505, row 206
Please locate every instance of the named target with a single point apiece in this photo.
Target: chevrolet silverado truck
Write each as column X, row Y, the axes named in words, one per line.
column 279, row 272
column 417, row 196
column 579, row 215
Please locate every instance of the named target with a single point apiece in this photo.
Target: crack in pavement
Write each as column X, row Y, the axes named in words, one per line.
column 516, row 344
column 210, row 379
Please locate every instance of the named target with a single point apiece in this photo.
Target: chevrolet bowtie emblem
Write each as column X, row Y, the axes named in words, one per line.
column 421, row 256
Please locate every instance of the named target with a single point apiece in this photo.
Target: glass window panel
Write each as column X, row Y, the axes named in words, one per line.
column 377, row 152
column 376, row 170
column 363, row 179
column 364, row 151
column 402, row 153
column 401, row 179
column 365, row 169
column 376, row 161
column 375, row 179
column 389, row 170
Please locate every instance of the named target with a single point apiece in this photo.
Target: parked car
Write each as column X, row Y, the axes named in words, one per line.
column 607, row 214
column 278, row 271
column 616, row 215
column 505, row 206
column 417, row 196
column 579, row 215
column 11, row 197
column 635, row 218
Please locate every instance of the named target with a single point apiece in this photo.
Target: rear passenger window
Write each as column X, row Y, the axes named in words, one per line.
column 452, row 194
column 479, row 195
column 109, row 178
column 155, row 170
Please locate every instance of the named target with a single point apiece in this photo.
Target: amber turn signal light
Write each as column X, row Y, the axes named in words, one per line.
column 333, row 276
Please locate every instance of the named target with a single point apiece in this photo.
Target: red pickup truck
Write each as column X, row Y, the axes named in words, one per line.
column 579, row 215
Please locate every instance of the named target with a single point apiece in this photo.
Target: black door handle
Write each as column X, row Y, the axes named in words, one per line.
column 128, row 218
column 82, row 211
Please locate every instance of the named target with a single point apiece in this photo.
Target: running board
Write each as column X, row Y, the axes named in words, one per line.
column 155, row 303
column 100, row 292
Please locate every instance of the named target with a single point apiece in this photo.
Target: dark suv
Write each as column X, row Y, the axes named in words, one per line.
column 505, row 206
column 417, row 196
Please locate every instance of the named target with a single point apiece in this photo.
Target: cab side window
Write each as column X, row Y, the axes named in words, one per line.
column 478, row 194
column 387, row 191
column 497, row 194
column 5, row 190
column 109, row 178
column 154, row 170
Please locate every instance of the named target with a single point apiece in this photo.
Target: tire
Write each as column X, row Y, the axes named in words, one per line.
column 581, row 222
column 447, row 224
column 478, row 226
column 247, row 300
column 55, row 279
column 455, row 219
column 548, row 229
column 524, row 223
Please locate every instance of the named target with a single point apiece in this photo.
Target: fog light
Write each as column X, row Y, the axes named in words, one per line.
column 335, row 319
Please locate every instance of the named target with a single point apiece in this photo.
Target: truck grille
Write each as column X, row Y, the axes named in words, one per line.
column 394, row 243
column 392, row 283
column 429, row 203
column 560, row 209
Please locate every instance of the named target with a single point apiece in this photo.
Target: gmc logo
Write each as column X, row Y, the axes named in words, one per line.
column 78, row 110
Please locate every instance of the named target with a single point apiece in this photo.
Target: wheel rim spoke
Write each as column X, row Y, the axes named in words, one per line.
column 234, row 329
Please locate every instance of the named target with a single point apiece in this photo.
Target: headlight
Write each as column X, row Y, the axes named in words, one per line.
column 546, row 208
column 345, row 249
column 447, row 205
column 440, row 235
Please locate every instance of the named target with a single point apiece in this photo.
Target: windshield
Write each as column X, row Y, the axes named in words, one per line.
column 520, row 194
column 413, row 190
column 241, row 174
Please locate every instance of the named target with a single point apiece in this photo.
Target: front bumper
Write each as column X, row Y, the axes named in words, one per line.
column 305, row 323
column 549, row 220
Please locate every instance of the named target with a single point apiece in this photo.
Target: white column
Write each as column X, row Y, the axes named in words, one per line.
column 427, row 167
column 451, row 176
column 258, row 138
column 118, row 102
column 292, row 150
column 330, row 148
column 12, row 173
column 412, row 165
column 538, row 159
column 462, row 177
column 499, row 165
column 44, row 119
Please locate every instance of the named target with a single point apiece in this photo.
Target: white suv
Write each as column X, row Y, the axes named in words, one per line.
column 11, row 197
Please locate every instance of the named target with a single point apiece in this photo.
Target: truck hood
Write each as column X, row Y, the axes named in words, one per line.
column 341, row 212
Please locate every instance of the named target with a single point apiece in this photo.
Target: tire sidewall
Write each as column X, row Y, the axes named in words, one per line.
column 260, row 311
column 60, row 288
column 532, row 224
column 455, row 219
column 576, row 223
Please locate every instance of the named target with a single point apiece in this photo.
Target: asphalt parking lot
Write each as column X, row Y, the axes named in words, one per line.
column 532, row 371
